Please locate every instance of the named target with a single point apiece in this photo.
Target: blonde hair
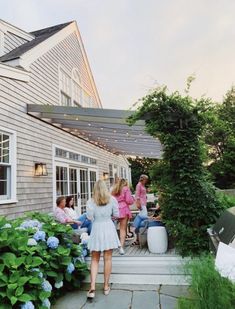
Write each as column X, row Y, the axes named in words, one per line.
column 143, row 176
column 119, row 186
column 101, row 195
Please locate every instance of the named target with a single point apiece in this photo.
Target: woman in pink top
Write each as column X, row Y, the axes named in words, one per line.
column 122, row 193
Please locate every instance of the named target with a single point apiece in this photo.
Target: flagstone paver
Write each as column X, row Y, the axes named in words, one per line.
column 168, row 302
column 125, row 296
column 145, row 299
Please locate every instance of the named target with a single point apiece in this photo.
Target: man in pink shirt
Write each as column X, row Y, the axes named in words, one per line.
column 141, row 203
column 61, row 216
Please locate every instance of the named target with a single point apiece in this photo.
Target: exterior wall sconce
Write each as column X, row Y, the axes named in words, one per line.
column 105, row 176
column 40, row 169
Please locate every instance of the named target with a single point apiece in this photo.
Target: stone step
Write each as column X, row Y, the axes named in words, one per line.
column 144, row 279
column 146, row 270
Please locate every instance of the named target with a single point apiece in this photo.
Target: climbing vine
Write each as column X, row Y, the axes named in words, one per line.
column 188, row 198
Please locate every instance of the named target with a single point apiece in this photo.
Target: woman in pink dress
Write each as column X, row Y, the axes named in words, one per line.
column 123, row 195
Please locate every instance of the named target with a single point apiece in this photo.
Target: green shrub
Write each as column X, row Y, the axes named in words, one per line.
column 208, row 289
column 38, row 260
column 188, row 200
column 226, row 200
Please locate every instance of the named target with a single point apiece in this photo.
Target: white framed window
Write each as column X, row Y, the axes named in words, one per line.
column 72, row 177
column 7, row 166
column 72, row 92
column 65, row 88
column 77, row 94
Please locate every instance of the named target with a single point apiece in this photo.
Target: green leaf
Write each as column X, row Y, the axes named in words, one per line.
column 52, row 274
column 25, row 297
column 13, row 300
column 19, row 261
column 5, row 306
column 29, row 259
column 12, row 286
column 36, row 261
column 66, row 260
column 23, row 280
column 35, row 280
column 19, row 291
column 14, row 277
column 43, row 295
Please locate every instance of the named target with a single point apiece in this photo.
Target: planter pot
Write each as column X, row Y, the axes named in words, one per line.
column 157, row 239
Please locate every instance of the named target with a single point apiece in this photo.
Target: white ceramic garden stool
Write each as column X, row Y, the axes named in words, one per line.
column 157, row 239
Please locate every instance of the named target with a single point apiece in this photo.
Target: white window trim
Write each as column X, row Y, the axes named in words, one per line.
column 72, row 80
column 13, row 137
column 69, row 163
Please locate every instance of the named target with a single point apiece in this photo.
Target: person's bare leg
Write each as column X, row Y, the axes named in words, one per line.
column 95, row 258
column 123, row 227
column 107, row 267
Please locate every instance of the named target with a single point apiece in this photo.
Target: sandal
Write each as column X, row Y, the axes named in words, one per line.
column 129, row 236
column 91, row 294
column 107, row 291
column 135, row 243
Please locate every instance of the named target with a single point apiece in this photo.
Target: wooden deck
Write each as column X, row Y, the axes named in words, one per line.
column 142, row 252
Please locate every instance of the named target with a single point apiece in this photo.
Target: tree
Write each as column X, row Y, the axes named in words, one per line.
column 188, row 199
column 140, row 166
column 220, row 136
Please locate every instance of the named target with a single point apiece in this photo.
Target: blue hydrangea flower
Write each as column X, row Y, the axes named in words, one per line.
column 46, row 286
column 27, row 305
column 85, row 241
column 6, row 226
column 32, row 242
column 40, row 235
column 70, row 268
column 46, row 303
column 31, row 224
column 40, row 274
column 52, row 242
column 84, row 252
column 59, row 285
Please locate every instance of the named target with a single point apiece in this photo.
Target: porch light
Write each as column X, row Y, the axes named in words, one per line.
column 105, row 176
column 40, row 169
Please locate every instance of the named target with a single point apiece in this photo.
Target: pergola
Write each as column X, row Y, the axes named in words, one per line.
column 106, row 128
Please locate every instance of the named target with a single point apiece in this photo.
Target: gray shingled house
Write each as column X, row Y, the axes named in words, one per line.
column 55, row 137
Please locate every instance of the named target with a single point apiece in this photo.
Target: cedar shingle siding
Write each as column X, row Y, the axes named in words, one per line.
column 35, row 139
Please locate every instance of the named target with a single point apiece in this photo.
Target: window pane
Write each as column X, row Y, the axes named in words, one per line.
column 61, row 181
column 92, row 181
column 65, row 100
column 3, row 188
column 65, row 83
column 4, row 148
column 5, row 172
column 84, row 189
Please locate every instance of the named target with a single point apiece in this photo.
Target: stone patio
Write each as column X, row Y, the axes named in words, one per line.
column 125, row 297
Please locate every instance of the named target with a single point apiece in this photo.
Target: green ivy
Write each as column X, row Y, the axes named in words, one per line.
column 188, row 199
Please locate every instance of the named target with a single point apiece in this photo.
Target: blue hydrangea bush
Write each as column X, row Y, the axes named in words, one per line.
column 38, row 261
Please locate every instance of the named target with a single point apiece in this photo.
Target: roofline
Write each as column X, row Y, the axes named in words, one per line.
column 14, row 73
column 34, row 53
column 7, row 27
column 88, row 65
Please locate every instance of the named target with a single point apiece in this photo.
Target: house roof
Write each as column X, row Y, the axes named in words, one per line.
column 105, row 128
column 40, row 36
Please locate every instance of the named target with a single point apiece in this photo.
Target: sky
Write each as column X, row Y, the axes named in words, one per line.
column 136, row 45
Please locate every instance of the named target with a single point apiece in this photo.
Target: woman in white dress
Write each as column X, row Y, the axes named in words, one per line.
column 101, row 209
